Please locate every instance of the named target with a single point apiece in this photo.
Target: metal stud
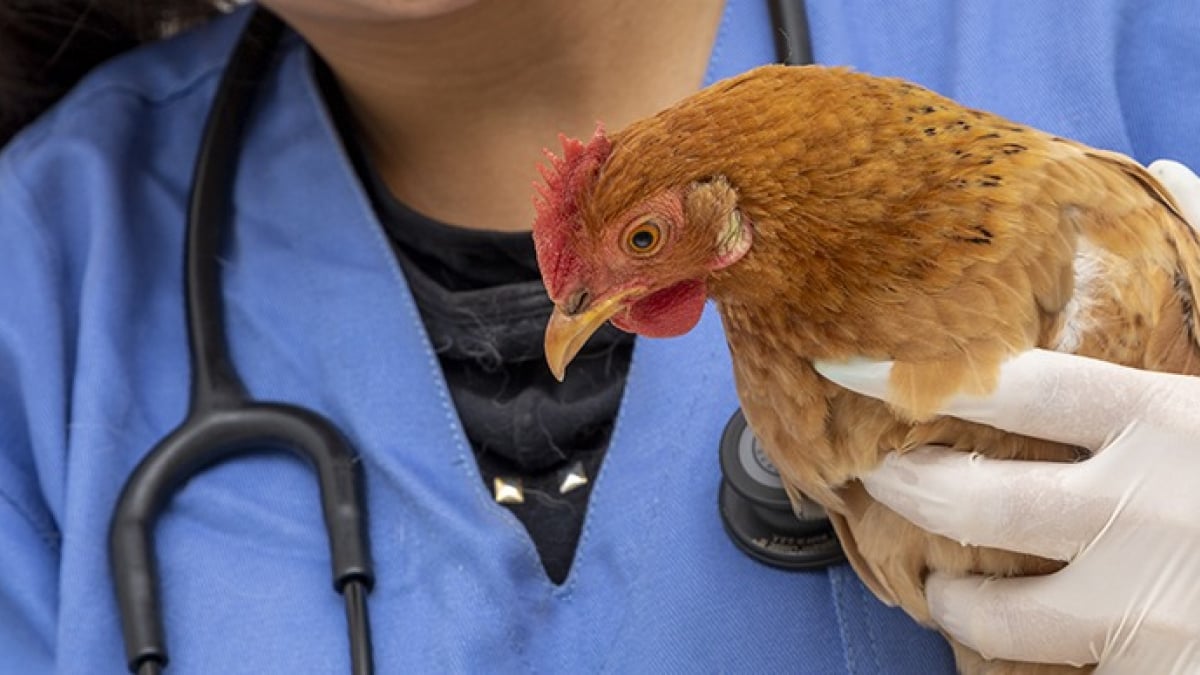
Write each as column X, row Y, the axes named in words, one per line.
column 508, row 490
column 572, row 478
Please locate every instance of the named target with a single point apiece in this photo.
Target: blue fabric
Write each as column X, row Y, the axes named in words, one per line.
column 93, row 363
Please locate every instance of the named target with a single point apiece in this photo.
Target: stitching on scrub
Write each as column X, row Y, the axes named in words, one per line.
column 841, row 610
column 49, row 535
column 868, row 626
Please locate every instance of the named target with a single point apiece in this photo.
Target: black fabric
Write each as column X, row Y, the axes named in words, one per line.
column 485, row 310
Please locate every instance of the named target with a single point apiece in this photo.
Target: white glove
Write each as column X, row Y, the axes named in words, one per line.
column 1127, row 520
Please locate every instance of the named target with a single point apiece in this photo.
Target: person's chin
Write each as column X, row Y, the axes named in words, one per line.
column 402, row 10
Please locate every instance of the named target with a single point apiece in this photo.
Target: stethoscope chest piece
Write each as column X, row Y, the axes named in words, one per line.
column 758, row 515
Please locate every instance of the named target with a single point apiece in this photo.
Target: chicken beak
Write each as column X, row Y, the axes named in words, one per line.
column 567, row 333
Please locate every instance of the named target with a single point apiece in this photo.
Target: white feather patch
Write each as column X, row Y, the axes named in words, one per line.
column 1077, row 315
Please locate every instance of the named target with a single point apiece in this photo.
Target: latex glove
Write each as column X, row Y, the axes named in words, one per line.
column 1127, row 520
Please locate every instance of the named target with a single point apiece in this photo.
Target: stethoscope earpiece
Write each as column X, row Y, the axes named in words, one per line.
column 758, row 515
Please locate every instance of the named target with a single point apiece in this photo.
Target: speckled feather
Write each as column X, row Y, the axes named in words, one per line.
column 892, row 223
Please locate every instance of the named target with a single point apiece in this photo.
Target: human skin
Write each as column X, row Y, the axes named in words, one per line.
column 456, row 99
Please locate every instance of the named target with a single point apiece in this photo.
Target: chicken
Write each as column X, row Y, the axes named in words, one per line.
column 830, row 214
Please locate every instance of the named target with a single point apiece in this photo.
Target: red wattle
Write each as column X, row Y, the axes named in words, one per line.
column 670, row 312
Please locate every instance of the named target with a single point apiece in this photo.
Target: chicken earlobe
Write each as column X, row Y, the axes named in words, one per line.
column 712, row 206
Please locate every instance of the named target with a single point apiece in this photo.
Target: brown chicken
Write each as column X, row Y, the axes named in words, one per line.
column 830, row 215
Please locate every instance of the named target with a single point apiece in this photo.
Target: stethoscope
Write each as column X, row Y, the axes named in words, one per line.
column 224, row 421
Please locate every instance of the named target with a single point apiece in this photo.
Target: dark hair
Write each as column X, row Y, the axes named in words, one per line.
column 46, row 46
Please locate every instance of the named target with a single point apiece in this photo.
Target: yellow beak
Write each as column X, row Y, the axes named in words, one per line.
column 566, row 334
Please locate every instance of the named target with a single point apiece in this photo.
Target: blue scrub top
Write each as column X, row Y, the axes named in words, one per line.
column 93, row 370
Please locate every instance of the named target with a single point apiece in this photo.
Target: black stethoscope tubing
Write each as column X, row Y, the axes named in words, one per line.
column 222, row 420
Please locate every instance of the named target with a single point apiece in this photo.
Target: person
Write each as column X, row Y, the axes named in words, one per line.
column 379, row 271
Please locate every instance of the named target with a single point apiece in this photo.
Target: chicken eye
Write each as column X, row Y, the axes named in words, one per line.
column 645, row 238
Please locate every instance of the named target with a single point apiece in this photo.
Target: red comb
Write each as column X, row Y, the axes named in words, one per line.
column 558, row 206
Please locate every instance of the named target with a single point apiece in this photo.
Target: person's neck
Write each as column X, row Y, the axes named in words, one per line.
column 455, row 110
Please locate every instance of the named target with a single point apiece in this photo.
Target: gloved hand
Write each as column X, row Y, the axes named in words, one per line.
column 1127, row 520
